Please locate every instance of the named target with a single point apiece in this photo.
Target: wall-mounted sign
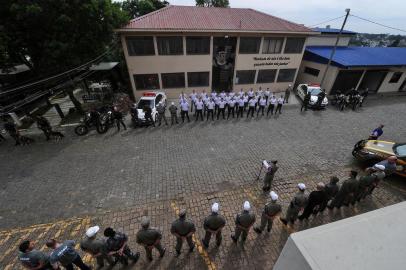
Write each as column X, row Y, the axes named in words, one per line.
column 276, row 61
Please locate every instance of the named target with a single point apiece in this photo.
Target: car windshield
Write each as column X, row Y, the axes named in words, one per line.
column 400, row 150
column 143, row 102
column 314, row 91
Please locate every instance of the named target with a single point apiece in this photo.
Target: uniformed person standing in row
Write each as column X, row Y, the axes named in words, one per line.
column 271, row 210
column 262, row 104
column 65, row 254
column 161, row 108
column 243, row 223
column 287, row 93
column 31, row 258
column 332, row 188
column 183, row 229
column 241, row 105
column 296, row 205
column 213, row 224
column 193, row 98
column 343, row 192
column 221, row 108
column 150, row 238
column 269, row 175
column 210, row 109
column 379, row 172
column 251, row 109
column 117, row 246
column 272, row 103
column 184, row 110
column 174, row 113
column 306, row 101
column 279, row 106
column 317, row 202
column 267, row 93
column 231, row 106
column 97, row 248
column 199, row 108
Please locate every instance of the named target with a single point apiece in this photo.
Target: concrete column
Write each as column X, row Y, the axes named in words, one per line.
column 360, row 79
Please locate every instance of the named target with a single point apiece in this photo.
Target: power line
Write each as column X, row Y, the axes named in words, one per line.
column 390, row 27
column 327, row 21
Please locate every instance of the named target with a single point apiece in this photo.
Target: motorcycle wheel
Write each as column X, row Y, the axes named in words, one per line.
column 101, row 129
column 342, row 107
column 81, row 130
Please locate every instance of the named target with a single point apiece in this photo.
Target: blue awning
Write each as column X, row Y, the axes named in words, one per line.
column 346, row 57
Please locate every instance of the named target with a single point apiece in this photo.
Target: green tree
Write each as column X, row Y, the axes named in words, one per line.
column 136, row 8
column 212, row 3
column 54, row 35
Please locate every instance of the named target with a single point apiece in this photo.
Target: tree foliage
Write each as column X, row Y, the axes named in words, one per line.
column 212, row 3
column 54, row 35
column 136, row 8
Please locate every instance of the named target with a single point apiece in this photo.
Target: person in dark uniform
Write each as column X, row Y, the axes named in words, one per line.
column 271, row 210
column 378, row 171
column 117, row 246
column 320, row 98
column 365, row 183
column 31, row 258
column 287, row 93
column 150, row 238
column 353, row 186
column 306, row 101
column 243, row 223
column 269, row 175
column 44, row 125
column 161, row 108
column 134, row 115
column 332, row 188
column 317, row 202
column 344, row 192
column 65, row 254
column 174, row 113
column 148, row 116
column 118, row 116
column 298, row 202
column 183, row 229
column 213, row 224
column 97, row 248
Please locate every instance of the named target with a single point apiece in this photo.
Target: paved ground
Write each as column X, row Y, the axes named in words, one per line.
column 116, row 178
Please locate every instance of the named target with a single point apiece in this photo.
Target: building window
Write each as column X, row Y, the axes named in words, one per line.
column 286, row 75
column 140, row 46
column 312, row 71
column 249, row 44
column 198, row 45
column 170, row 45
column 272, row 45
column 266, row 75
column 294, row 45
column 395, row 77
column 245, row 77
column 173, row 80
column 195, row 79
column 146, row 81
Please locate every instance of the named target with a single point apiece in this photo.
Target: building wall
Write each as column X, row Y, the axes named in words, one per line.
column 194, row 63
column 308, row 78
column 328, row 40
column 392, row 87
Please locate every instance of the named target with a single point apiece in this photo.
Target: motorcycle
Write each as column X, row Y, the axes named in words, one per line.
column 88, row 122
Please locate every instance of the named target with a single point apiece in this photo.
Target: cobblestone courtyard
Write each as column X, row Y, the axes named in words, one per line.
column 57, row 189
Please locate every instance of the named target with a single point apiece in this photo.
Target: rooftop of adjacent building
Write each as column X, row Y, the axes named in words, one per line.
column 333, row 31
column 357, row 56
column 192, row 18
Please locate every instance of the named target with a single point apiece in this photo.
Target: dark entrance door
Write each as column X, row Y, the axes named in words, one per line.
column 223, row 63
column 346, row 79
column 373, row 80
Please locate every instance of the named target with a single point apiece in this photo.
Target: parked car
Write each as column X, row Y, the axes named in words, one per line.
column 377, row 150
column 150, row 99
column 314, row 90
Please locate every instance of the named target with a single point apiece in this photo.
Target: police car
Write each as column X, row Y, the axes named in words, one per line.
column 150, row 99
column 314, row 90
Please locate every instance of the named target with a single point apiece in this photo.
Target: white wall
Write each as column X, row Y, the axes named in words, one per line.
column 308, row 78
column 328, row 40
column 392, row 87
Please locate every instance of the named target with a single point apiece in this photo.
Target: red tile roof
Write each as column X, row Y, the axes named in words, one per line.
column 212, row 19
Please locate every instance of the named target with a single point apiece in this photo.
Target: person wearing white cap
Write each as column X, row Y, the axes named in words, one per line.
column 287, row 93
column 271, row 210
column 390, row 165
column 243, row 223
column 269, row 175
column 378, row 174
column 96, row 247
column 150, row 238
column 298, row 202
column 183, row 229
column 213, row 224
column 347, row 192
column 174, row 113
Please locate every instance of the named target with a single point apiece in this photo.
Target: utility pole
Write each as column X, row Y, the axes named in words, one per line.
column 335, row 47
